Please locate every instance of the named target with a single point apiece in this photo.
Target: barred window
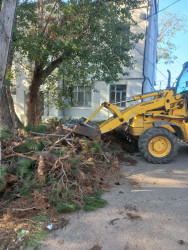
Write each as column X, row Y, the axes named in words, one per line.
column 118, row 94
column 82, row 96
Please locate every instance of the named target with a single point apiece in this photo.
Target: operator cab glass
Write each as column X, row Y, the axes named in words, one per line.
column 182, row 81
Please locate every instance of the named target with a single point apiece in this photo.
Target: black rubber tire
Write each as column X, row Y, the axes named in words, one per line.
column 148, row 135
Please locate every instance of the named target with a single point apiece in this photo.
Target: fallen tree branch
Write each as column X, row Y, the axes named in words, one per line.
column 21, row 155
column 26, row 157
column 25, row 209
column 37, row 133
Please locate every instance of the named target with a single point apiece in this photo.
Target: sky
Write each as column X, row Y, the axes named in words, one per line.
column 181, row 41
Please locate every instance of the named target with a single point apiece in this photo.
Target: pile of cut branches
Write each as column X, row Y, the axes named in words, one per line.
column 50, row 173
column 61, row 170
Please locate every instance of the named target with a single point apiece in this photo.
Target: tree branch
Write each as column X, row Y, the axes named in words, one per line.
column 53, row 65
column 49, row 17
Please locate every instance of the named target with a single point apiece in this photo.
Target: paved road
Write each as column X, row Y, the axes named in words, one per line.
column 147, row 211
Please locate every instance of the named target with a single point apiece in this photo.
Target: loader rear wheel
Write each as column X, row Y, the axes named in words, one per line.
column 158, row 145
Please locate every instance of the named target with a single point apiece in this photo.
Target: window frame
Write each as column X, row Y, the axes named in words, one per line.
column 76, row 96
column 121, row 103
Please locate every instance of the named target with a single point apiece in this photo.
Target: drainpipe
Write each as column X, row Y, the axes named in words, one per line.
column 144, row 56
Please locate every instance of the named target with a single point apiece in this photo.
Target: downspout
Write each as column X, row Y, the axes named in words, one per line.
column 144, row 56
column 145, row 45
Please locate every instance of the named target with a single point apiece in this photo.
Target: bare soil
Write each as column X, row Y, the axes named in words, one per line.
column 147, row 210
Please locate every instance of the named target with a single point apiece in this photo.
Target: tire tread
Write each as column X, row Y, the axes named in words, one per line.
column 147, row 135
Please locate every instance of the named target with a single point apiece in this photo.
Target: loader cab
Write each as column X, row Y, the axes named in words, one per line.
column 182, row 80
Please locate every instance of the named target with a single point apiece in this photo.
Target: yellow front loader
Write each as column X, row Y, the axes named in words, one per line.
column 157, row 124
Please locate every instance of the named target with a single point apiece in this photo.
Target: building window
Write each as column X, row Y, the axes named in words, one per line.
column 82, row 96
column 118, row 94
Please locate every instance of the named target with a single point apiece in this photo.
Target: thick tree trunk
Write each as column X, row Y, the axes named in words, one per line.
column 32, row 112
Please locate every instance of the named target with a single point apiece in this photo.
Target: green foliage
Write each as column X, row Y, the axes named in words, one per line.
column 28, row 186
column 42, row 128
column 63, row 150
column 3, row 171
column 74, row 161
column 66, row 207
column 85, row 143
column 94, row 202
column 59, row 152
column 5, row 134
column 30, row 145
column 24, row 168
column 55, row 121
column 25, row 174
column 41, row 217
column 84, row 41
column 95, row 147
column 73, row 172
column 36, row 237
column 64, row 204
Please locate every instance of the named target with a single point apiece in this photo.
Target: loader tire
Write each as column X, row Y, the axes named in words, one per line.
column 158, row 145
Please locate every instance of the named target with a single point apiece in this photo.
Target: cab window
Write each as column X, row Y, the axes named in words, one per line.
column 182, row 84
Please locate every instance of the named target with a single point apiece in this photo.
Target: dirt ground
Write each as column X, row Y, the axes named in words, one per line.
column 147, row 209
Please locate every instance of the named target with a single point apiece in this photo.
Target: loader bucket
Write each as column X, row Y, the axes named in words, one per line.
column 81, row 128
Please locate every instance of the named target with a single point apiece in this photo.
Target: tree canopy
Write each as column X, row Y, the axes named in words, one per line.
column 78, row 40
column 169, row 26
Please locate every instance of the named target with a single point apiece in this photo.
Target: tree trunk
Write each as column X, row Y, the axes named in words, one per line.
column 7, row 16
column 32, row 112
column 15, row 119
column 8, row 115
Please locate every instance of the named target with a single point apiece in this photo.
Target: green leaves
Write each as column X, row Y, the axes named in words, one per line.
column 94, row 202
column 79, row 41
